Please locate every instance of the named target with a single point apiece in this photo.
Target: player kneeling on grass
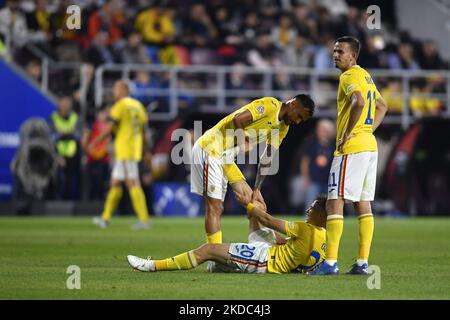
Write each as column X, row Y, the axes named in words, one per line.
column 267, row 251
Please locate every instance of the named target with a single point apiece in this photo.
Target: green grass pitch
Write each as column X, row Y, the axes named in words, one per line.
column 413, row 254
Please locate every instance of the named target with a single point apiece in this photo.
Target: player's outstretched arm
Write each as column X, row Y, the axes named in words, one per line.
column 266, row 219
column 380, row 112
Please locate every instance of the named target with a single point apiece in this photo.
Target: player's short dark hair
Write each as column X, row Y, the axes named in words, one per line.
column 354, row 43
column 307, row 103
column 321, row 201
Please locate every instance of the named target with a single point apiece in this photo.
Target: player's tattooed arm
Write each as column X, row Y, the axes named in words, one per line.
column 380, row 112
column 264, row 164
column 356, row 108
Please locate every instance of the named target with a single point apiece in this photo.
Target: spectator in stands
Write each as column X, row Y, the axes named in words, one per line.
column 134, row 51
column 228, row 39
column 324, row 20
column 316, row 162
column 65, row 127
column 200, row 35
column 13, row 23
column 38, row 22
column 369, row 55
column 97, row 158
column 284, row 33
column 249, row 29
column 422, row 102
column 429, row 58
column 100, row 52
column 264, row 55
column 403, row 58
column 304, row 22
column 393, row 96
column 223, row 23
column 323, row 58
column 352, row 25
column 3, row 50
column 158, row 31
column 33, row 69
column 109, row 19
column 142, row 83
column 298, row 53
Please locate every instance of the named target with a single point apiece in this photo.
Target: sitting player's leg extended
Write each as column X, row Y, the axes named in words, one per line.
column 241, row 257
column 184, row 261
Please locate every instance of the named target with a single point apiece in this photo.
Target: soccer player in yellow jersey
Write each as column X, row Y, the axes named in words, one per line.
column 361, row 109
column 128, row 119
column 266, row 251
column 262, row 120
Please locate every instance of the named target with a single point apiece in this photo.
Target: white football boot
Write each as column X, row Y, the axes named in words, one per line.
column 100, row 222
column 144, row 265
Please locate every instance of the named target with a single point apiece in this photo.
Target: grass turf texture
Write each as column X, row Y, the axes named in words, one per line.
column 413, row 255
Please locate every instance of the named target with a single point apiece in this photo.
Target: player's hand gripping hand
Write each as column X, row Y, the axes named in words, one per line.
column 343, row 140
column 258, row 200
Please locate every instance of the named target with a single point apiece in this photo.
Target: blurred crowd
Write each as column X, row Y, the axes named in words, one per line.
column 259, row 33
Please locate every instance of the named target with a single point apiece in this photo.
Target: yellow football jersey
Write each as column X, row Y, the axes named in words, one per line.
column 130, row 117
column 304, row 250
column 265, row 120
column 356, row 79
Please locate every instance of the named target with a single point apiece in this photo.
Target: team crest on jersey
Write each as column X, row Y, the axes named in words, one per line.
column 212, row 188
column 260, row 109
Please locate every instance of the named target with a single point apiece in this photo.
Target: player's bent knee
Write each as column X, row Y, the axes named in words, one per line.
column 115, row 183
column 130, row 183
column 204, row 252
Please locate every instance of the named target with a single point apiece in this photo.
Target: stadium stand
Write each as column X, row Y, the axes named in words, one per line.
column 190, row 60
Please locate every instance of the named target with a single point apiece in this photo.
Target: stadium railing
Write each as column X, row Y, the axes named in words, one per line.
column 213, row 90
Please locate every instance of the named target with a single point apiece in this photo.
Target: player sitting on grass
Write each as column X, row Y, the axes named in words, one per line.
column 266, row 250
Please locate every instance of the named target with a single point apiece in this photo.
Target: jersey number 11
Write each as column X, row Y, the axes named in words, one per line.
column 369, row 120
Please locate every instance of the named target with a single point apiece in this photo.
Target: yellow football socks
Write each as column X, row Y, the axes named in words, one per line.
column 214, row 238
column 182, row 261
column 335, row 226
column 139, row 204
column 112, row 200
column 366, row 227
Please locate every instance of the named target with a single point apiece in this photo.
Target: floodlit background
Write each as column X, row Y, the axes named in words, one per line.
column 191, row 63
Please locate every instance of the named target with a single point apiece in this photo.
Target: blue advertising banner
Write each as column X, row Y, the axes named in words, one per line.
column 176, row 199
column 19, row 101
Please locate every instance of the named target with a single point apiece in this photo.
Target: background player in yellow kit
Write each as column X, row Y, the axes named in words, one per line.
column 265, row 119
column 128, row 118
column 361, row 110
column 265, row 251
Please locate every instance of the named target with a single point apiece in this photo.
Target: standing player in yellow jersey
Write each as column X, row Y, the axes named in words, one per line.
column 128, row 119
column 361, row 109
column 266, row 251
column 213, row 167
